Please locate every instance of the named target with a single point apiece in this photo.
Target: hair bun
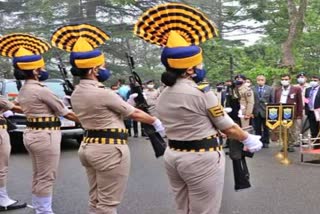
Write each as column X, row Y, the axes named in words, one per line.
column 169, row 78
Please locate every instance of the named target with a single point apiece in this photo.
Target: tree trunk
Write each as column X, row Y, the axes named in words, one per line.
column 296, row 19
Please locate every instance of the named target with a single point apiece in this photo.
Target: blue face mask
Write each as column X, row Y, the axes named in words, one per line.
column 103, row 74
column 238, row 82
column 43, row 75
column 199, row 75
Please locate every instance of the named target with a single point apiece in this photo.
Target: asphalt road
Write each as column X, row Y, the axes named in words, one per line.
column 277, row 189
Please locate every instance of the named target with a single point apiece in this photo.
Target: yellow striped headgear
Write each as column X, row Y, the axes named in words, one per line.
column 25, row 50
column 81, row 40
column 178, row 28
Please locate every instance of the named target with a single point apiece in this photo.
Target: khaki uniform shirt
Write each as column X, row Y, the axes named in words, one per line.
column 99, row 108
column 246, row 99
column 151, row 98
column 184, row 111
column 5, row 105
column 36, row 100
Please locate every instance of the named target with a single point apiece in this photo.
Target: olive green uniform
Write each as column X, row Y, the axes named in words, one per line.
column 107, row 163
column 196, row 177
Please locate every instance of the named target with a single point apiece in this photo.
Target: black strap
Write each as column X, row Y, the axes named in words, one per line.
column 194, row 145
column 43, row 124
column 106, row 134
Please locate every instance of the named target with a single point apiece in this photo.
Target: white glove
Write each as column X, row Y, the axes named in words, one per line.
column 7, row 114
column 253, row 143
column 131, row 99
column 228, row 109
column 159, row 127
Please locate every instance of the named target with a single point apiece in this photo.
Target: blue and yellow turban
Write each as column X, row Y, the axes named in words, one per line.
column 81, row 40
column 179, row 29
column 25, row 50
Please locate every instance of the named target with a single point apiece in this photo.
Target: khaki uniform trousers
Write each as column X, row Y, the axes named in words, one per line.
column 196, row 180
column 5, row 149
column 44, row 149
column 107, row 167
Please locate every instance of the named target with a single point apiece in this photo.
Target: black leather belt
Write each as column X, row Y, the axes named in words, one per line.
column 208, row 144
column 106, row 136
column 43, row 123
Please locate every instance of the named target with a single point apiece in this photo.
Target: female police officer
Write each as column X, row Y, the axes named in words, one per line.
column 104, row 151
column 6, row 203
column 190, row 113
column 42, row 108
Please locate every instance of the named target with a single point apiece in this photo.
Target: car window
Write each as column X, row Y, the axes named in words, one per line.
column 11, row 90
column 56, row 88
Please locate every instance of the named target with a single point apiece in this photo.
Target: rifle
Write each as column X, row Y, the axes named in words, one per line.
column 157, row 142
column 240, row 169
column 67, row 86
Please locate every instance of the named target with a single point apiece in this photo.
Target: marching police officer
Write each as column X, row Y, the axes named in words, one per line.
column 246, row 99
column 104, row 152
column 42, row 108
column 191, row 113
column 6, row 203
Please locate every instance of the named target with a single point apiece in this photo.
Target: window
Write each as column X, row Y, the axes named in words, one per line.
column 56, row 88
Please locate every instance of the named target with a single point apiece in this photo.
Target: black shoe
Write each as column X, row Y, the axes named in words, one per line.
column 135, row 135
column 265, row 145
column 14, row 206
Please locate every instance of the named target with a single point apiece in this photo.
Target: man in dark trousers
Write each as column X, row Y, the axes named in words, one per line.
column 289, row 94
column 263, row 94
column 312, row 103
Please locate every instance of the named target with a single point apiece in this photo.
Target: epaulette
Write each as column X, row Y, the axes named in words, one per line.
column 204, row 87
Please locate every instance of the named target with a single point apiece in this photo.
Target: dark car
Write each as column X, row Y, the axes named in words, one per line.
column 69, row 128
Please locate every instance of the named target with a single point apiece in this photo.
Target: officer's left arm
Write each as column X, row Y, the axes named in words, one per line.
column 57, row 106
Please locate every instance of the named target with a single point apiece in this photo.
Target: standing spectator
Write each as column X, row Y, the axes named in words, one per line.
column 221, row 93
column 124, row 92
column 262, row 94
column 248, row 83
column 302, row 83
column 245, row 95
column 151, row 94
column 288, row 94
column 312, row 102
column 123, row 89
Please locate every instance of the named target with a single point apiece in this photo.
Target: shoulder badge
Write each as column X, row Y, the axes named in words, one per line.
column 204, row 87
column 217, row 111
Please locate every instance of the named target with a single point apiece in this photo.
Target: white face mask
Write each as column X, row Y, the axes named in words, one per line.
column 285, row 82
column 301, row 80
column 314, row 84
column 150, row 86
